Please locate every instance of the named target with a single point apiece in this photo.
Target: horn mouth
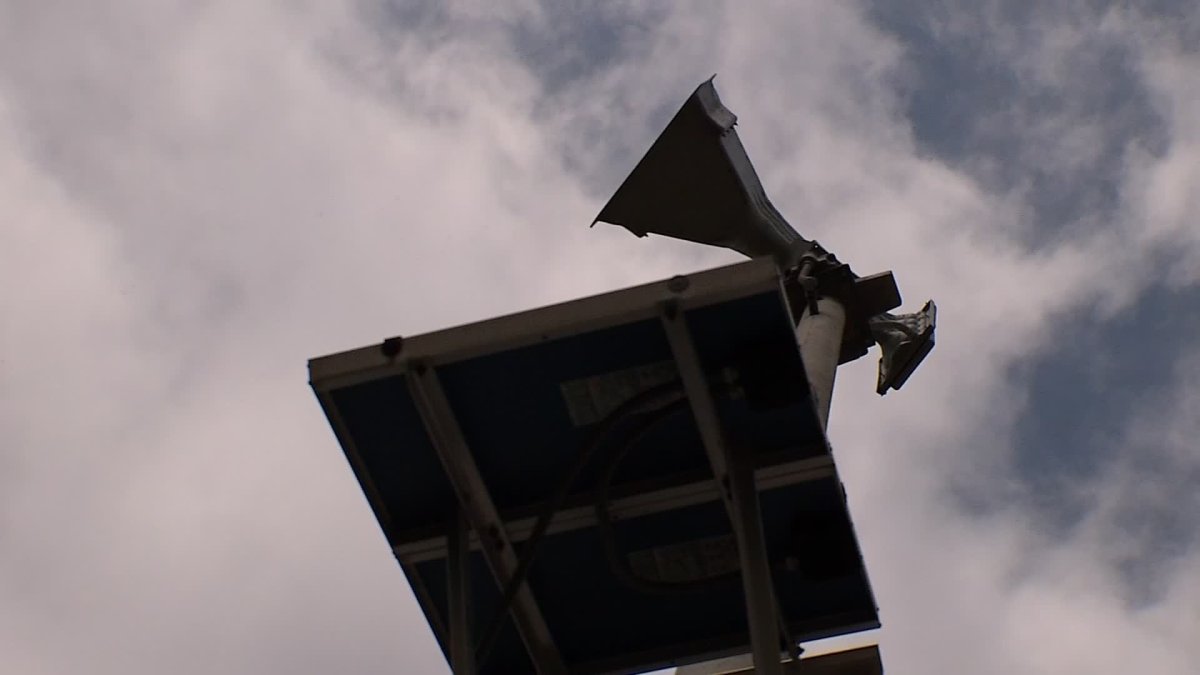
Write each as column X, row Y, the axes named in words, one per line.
column 905, row 340
column 697, row 183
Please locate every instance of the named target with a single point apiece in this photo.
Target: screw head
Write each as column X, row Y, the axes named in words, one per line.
column 678, row 284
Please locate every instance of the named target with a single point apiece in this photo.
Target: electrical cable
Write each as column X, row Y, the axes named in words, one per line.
column 617, row 562
column 670, row 400
column 673, row 393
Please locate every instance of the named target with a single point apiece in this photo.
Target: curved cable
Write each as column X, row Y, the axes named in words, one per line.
column 672, row 392
column 617, row 562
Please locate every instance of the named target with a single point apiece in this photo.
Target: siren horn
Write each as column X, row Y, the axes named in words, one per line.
column 696, row 183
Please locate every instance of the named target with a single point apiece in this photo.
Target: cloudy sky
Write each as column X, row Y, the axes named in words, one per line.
column 196, row 197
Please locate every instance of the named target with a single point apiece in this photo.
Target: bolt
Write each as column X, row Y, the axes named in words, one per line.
column 391, row 347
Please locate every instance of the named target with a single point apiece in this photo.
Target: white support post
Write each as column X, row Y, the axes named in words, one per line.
column 820, row 338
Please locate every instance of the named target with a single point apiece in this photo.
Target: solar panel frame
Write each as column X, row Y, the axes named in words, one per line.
column 421, row 539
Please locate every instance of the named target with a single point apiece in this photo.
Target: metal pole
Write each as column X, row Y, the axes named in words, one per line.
column 735, row 469
column 458, row 596
column 820, row 338
column 756, row 569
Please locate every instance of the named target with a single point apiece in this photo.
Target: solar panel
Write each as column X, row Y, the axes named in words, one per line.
column 584, row 411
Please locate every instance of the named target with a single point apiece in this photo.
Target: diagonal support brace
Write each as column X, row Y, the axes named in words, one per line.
column 735, row 473
column 480, row 511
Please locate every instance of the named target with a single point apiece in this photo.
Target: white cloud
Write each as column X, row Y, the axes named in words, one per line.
column 1164, row 200
column 197, row 199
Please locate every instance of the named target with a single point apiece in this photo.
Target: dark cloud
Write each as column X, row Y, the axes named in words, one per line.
column 1031, row 98
column 1037, row 98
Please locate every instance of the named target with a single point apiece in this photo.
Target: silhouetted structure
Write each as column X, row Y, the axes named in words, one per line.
column 641, row 478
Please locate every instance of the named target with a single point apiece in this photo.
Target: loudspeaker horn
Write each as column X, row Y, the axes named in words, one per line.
column 696, row 183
